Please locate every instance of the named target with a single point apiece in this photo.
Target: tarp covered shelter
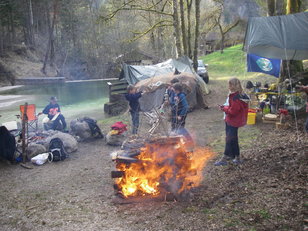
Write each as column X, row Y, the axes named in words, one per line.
column 135, row 73
column 154, row 79
column 279, row 37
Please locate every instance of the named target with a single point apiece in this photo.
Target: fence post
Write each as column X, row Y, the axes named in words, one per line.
column 24, row 123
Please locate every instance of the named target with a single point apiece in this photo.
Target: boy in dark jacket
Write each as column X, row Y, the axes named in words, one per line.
column 132, row 96
column 171, row 96
column 181, row 109
column 52, row 110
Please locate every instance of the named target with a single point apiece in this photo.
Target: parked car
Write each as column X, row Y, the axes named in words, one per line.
column 202, row 71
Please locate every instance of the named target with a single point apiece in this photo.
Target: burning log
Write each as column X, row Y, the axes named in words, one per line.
column 117, row 174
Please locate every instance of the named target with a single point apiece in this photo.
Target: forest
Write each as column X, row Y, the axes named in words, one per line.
column 81, row 39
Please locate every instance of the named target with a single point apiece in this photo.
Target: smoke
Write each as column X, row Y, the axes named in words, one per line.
column 242, row 9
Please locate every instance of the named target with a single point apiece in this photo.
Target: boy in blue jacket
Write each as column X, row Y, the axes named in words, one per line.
column 132, row 96
column 171, row 95
column 181, row 108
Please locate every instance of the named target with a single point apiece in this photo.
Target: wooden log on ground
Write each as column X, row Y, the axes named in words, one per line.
column 117, row 174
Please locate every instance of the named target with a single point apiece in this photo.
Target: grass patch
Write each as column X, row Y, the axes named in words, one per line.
column 190, row 209
column 230, row 63
column 264, row 214
column 107, row 122
column 209, row 211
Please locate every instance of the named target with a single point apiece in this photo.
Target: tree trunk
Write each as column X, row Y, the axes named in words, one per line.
column 280, row 7
column 50, row 46
column 197, row 9
column 189, row 51
column 29, row 24
column 222, row 39
column 12, row 26
column 183, row 27
column 293, row 6
column 291, row 67
column 271, row 7
column 1, row 38
column 176, row 27
column 222, row 42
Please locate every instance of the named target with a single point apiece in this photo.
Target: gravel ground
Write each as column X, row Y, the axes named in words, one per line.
column 267, row 192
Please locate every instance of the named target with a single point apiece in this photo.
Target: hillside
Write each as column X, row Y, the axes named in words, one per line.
column 22, row 62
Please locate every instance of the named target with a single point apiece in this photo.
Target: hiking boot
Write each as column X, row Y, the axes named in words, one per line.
column 223, row 161
column 237, row 160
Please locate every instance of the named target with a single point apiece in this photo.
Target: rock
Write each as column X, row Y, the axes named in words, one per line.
column 81, row 129
column 69, row 142
column 115, row 140
column 34, row 149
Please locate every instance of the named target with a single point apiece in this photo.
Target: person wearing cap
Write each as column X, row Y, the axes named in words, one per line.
column 52, row 110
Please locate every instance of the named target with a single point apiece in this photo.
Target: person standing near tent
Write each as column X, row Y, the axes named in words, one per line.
column 305, row 89
column 171, row 95
column 236, row 116
column 181, row 110
column 52, row 110
column 132, row 96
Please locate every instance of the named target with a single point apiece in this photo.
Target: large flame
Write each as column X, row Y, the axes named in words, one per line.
column 166, row 167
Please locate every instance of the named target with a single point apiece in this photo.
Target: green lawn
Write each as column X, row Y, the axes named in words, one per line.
column 230, row 63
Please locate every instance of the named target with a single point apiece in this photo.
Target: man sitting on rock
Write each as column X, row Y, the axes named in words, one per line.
column 52, row 110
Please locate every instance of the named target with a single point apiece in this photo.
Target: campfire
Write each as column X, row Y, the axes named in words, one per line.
column 159, row 166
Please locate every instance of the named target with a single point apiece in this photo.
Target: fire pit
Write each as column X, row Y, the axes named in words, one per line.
column 165, row 167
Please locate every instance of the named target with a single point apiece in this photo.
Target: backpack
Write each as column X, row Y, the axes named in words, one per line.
column 56, row 150
column 95, row 130
column 7, row 144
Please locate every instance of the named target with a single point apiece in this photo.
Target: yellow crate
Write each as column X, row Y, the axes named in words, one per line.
column 251, row 120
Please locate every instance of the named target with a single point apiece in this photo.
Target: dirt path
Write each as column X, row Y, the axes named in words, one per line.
column 77, row 194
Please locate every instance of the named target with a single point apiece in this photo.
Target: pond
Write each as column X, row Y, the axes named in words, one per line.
column 76, row 99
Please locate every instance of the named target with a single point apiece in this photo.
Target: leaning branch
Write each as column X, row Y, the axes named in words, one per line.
column 127, row 6
column 156, row 25
column 227, row 29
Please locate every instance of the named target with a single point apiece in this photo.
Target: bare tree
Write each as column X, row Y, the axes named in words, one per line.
column 196, row 46
column 176, row 26
column 50, row 45
column 183, row 27
column 189, row 50
column 223, row 28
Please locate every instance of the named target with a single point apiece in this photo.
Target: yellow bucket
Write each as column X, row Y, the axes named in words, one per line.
column 251, row 118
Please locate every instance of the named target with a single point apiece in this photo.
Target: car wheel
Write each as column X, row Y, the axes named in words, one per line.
column 206, row 78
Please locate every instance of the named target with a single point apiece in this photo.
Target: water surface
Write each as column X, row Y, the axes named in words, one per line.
column 76, row 99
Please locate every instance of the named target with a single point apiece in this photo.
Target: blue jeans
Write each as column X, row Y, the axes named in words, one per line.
column 232, row 148
column 135, row 121
column 306, row 125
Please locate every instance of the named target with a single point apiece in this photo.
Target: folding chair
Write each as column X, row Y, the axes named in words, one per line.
column 32, row 119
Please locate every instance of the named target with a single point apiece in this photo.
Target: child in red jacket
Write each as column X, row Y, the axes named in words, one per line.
column 236, row 116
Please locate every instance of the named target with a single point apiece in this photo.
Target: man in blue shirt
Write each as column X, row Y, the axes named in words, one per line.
column 52, row 110
column 132, row 96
